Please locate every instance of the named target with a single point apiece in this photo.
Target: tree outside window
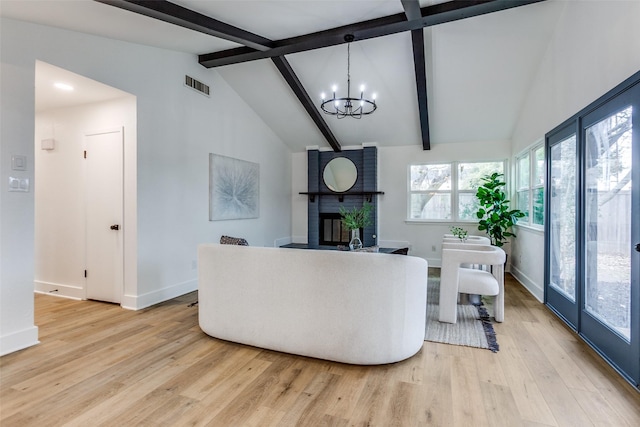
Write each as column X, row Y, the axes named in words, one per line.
column 446, row 191
column 530, row 170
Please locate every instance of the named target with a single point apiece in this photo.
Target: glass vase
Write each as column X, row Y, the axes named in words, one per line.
column 355, row 242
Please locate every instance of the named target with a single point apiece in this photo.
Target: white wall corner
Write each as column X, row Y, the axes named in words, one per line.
column 19, row 340
column 133, row 302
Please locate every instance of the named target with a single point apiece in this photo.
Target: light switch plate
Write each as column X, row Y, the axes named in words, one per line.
column 19, row 163
column 19, row 184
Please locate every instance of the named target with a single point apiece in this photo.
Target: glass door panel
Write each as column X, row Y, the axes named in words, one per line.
column 563, row 214
column 561, row 228
column 608, row 221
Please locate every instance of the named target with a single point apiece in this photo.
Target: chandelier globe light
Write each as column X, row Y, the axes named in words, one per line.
column 342, row 107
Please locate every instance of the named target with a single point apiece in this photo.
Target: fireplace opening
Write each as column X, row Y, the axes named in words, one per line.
column 332, row 231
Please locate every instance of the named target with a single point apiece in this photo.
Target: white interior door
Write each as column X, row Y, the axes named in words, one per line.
column 104, row 213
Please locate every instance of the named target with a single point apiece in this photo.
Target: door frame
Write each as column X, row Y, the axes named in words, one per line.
column 575, row 315
column 556, row 301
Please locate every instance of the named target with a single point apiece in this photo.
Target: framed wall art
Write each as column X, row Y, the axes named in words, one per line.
column 234, row 188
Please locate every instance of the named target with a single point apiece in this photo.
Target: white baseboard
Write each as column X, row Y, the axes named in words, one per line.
column 434, row 262
column 534, row 288
column 19, row 340
column 282, row 241
column 59, row 290
column 133, row 302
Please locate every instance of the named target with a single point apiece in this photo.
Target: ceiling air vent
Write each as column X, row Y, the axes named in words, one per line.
column 196, row 85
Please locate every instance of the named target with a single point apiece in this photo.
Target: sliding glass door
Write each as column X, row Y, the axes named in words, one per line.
column 593, row 228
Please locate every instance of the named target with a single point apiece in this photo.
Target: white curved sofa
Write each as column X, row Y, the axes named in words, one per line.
column 359, row 308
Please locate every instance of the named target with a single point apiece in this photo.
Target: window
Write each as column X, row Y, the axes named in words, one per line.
column 447, row 191
column 469, row 178
column 430, row 191
column 530, row 171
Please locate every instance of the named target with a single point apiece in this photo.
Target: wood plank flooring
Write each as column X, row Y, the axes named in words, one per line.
column 100, row 365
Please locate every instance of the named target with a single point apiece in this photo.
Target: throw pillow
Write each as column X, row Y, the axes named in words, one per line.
column 228, row 240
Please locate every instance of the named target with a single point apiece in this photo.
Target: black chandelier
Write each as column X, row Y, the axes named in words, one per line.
column 348, row 107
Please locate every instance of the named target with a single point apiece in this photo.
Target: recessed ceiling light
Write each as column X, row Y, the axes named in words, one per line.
column 63, row 86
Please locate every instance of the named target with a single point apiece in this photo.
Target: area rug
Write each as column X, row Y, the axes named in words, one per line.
column 473, row 327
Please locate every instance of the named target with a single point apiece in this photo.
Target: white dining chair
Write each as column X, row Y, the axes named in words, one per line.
column 455, row 279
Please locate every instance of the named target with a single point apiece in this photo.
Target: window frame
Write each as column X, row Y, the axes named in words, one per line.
column 531, row 186
column 410, row 192
column 454, row 191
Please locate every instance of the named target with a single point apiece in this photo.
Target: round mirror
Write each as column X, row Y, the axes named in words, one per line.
column 340, row 174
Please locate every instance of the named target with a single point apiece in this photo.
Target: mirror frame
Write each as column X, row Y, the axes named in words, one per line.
column 352, row 171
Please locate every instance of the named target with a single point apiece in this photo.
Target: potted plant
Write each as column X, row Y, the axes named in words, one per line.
column 494, row 214
column 355, row 219
column 459, row 232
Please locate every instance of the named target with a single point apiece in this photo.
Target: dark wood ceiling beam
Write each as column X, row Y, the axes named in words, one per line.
column 412, row 10
column 417, row 40
column 187, row 18
column 294, row 83
column 392, row 24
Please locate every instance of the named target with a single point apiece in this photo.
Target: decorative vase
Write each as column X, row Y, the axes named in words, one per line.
column 355, row 242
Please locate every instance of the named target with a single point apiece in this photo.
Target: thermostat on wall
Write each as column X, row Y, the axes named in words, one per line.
column 19, row 163
column 48, row 144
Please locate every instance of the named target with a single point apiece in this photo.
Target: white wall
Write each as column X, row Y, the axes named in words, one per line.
column 176, row 130
column 424, row 238
column 596, row 46
column 17, row 329
column 59, row 195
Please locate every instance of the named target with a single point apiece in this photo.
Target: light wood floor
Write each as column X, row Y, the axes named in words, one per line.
column 98, row 364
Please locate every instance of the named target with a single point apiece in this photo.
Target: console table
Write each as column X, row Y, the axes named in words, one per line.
column 330, row 248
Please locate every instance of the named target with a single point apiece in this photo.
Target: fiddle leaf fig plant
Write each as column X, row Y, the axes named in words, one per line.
column 496, row 218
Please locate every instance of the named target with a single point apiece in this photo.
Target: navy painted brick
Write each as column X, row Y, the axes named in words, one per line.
column 367, row 164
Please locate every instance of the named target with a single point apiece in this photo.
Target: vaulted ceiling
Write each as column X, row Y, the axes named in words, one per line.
column 443, row 72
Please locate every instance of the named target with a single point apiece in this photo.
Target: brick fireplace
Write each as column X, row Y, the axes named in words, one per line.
column 324, row 226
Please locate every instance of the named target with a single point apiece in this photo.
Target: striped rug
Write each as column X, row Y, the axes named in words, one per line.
column 473, row 327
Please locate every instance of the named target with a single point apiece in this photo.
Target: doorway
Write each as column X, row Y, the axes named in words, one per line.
column 592, row 269
column 75, row 255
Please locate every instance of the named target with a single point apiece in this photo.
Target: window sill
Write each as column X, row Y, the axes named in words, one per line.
column 439, row 222
column 531, row 228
